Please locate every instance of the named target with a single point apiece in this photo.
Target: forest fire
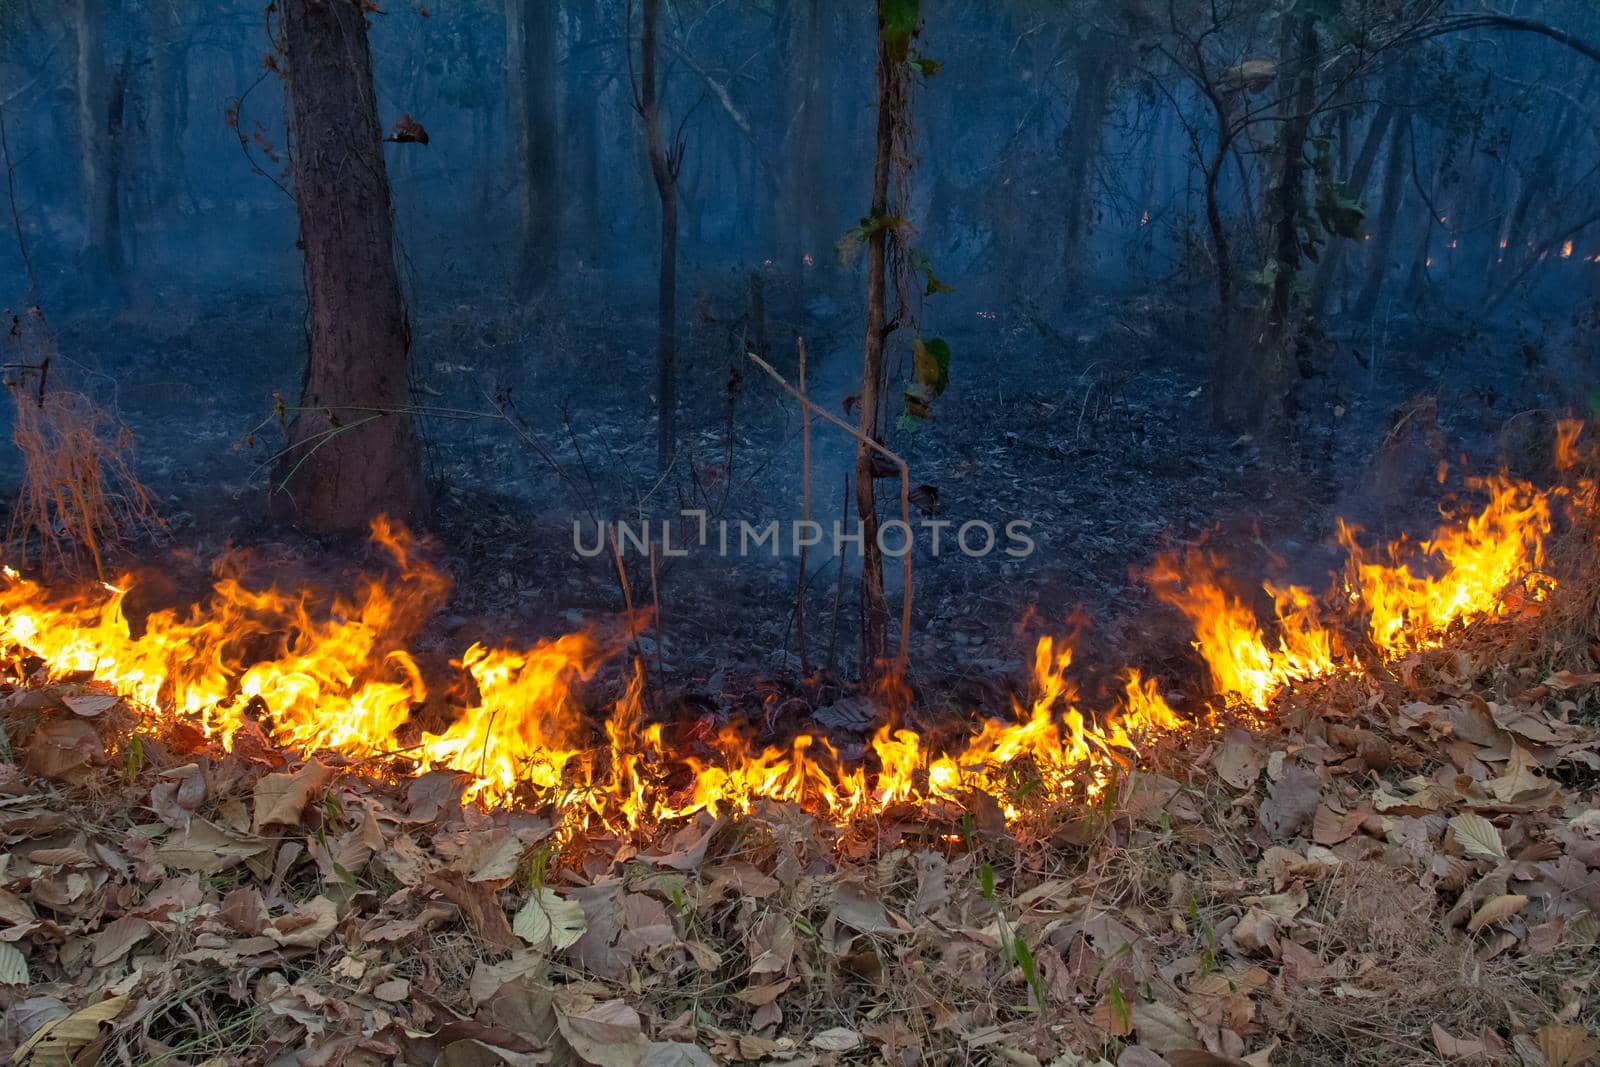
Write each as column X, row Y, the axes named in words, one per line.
column 337, row 676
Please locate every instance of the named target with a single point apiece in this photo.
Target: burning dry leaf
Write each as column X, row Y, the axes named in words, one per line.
column 1495, row 910
column 282, row 798
column 1477, row 836
column 90, row 704
column 548, row 921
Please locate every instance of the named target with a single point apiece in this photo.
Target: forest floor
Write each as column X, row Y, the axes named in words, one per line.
column 1393, row 867
column 1400, row 866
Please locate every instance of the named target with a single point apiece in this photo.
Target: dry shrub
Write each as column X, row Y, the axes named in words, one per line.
column 79, row 495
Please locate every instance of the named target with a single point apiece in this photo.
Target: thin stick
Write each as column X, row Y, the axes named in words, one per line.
column 805, row 514
column 627, row 603
column 16, row 223
column 903, row 654
column 838, row 585
column 661, row 635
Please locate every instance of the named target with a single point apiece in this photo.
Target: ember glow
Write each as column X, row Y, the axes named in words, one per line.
column 309, row 673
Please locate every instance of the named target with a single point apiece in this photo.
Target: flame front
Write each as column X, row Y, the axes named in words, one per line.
column 337, row 674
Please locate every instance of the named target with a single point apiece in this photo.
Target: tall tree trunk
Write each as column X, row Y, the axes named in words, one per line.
column 165, row 157
column 1080, row 146
column 353, row 452
column 802, row 148
column 96, row 148
column 533, row 31
column 1273, row 388
column 1377, row 265
column 874, row 611
column 664, row 167
column 1355, row 185
column 584, row 108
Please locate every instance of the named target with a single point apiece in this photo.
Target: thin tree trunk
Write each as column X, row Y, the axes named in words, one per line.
column 874, row 612
column 1355, row 185
column 1377, row 264
column 1080, row 146
column 533, row 30
column 165, row 157
column 802, row 149
column 102, row 250
column 664, row 166
column 353, row 452
column 583, row 118
column 1273, row 387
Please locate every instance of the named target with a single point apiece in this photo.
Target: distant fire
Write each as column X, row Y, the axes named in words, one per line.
column 314, row 672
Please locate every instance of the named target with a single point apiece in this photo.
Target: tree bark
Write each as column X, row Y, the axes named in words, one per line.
column 1355, row 184
column 874, row 612
column 584, row 110
column 664, row 165
column 1377, row 265
column 800, row 227
column 96, row 146
column 166, row 138
column 353, row 452
column 533, row 30
column 1273, row 400
column 1080, row 146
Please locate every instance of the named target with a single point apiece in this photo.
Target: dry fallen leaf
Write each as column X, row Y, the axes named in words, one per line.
column 1496, row 909
column 548, row 921
column 838, row 1039
column 307, row 926
column 75, row 1039
column 282, row 798
column 1566, row 1046
column 1477, row 836
column 607, row 1034
column 13, row 966
column 1457, row 1048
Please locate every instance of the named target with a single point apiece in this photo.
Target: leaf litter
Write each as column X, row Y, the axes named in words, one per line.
column 1401, row 867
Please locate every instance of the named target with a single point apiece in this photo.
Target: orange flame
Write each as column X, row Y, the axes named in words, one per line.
column 315, row 672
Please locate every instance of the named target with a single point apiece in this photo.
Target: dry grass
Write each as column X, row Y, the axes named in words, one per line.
column 79, row 497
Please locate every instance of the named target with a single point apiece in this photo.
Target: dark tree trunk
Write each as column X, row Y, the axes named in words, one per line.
column 97, row 145
column 874, row 612
column 583, row 118
column 1377, row 265
column 533, row 30
column 800, row 226
column 353, row 452
column 1080, row 147
column 166, row 141
column 1273, row 387
column 664, row 166
column 1355, row 184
